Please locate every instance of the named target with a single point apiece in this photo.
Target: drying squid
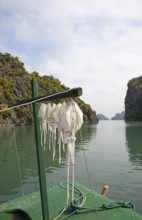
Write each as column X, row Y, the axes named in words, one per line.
column 54, row 120
column 71, row 120
column 41, row 115
column 66, row 118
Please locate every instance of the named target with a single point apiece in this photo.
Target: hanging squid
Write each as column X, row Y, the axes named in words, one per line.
column 54, row 120
column 63, row 121
column 43, row 125
column 70, row 122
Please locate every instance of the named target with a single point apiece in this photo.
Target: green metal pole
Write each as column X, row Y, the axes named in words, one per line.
column 41, row 172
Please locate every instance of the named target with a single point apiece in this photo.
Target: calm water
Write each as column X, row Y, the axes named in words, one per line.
column 111, row 151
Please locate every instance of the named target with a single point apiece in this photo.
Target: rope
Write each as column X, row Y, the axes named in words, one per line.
column 76, row 207
column 23, row 104
column 103, row 207
column 38, row 99
column 82, row 196
column 64, row 209
column 18, row 162
column 87, row 169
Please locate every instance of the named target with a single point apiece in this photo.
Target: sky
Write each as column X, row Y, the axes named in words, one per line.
column 93, row 44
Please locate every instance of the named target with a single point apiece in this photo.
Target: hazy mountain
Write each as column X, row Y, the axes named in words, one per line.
column 101, row 117
column 119, row 116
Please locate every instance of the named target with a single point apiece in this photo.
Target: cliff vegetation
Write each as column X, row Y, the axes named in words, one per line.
column 15, row 85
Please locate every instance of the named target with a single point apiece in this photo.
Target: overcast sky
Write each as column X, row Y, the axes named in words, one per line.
column 93, row 44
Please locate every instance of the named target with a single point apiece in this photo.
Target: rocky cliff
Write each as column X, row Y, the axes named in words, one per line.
column 133, row 100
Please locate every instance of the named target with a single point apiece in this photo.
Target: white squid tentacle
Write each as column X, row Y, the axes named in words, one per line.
column 41, row 115
column 66, row 118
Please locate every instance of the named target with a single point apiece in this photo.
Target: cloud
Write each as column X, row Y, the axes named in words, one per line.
column 88, row 43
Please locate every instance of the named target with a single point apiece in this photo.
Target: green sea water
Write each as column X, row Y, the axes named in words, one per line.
column 109, row 153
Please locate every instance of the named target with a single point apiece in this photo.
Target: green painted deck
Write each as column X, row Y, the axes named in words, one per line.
column 57, row 201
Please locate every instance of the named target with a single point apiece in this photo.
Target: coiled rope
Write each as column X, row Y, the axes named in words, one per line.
column 77, row 206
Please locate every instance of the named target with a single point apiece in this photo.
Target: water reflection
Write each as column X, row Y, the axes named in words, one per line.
column 23, row 139
column 85, row 135
column 134, row 142
column 20, row 139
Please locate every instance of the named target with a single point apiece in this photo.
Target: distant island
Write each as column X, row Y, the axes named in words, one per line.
column 101, row 117
column 119, row 116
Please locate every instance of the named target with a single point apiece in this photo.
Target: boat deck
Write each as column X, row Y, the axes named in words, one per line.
column 31, row 207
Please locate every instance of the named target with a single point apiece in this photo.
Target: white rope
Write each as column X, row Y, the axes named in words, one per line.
column 87, row 170
column 30, row 102
column 18, row 162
